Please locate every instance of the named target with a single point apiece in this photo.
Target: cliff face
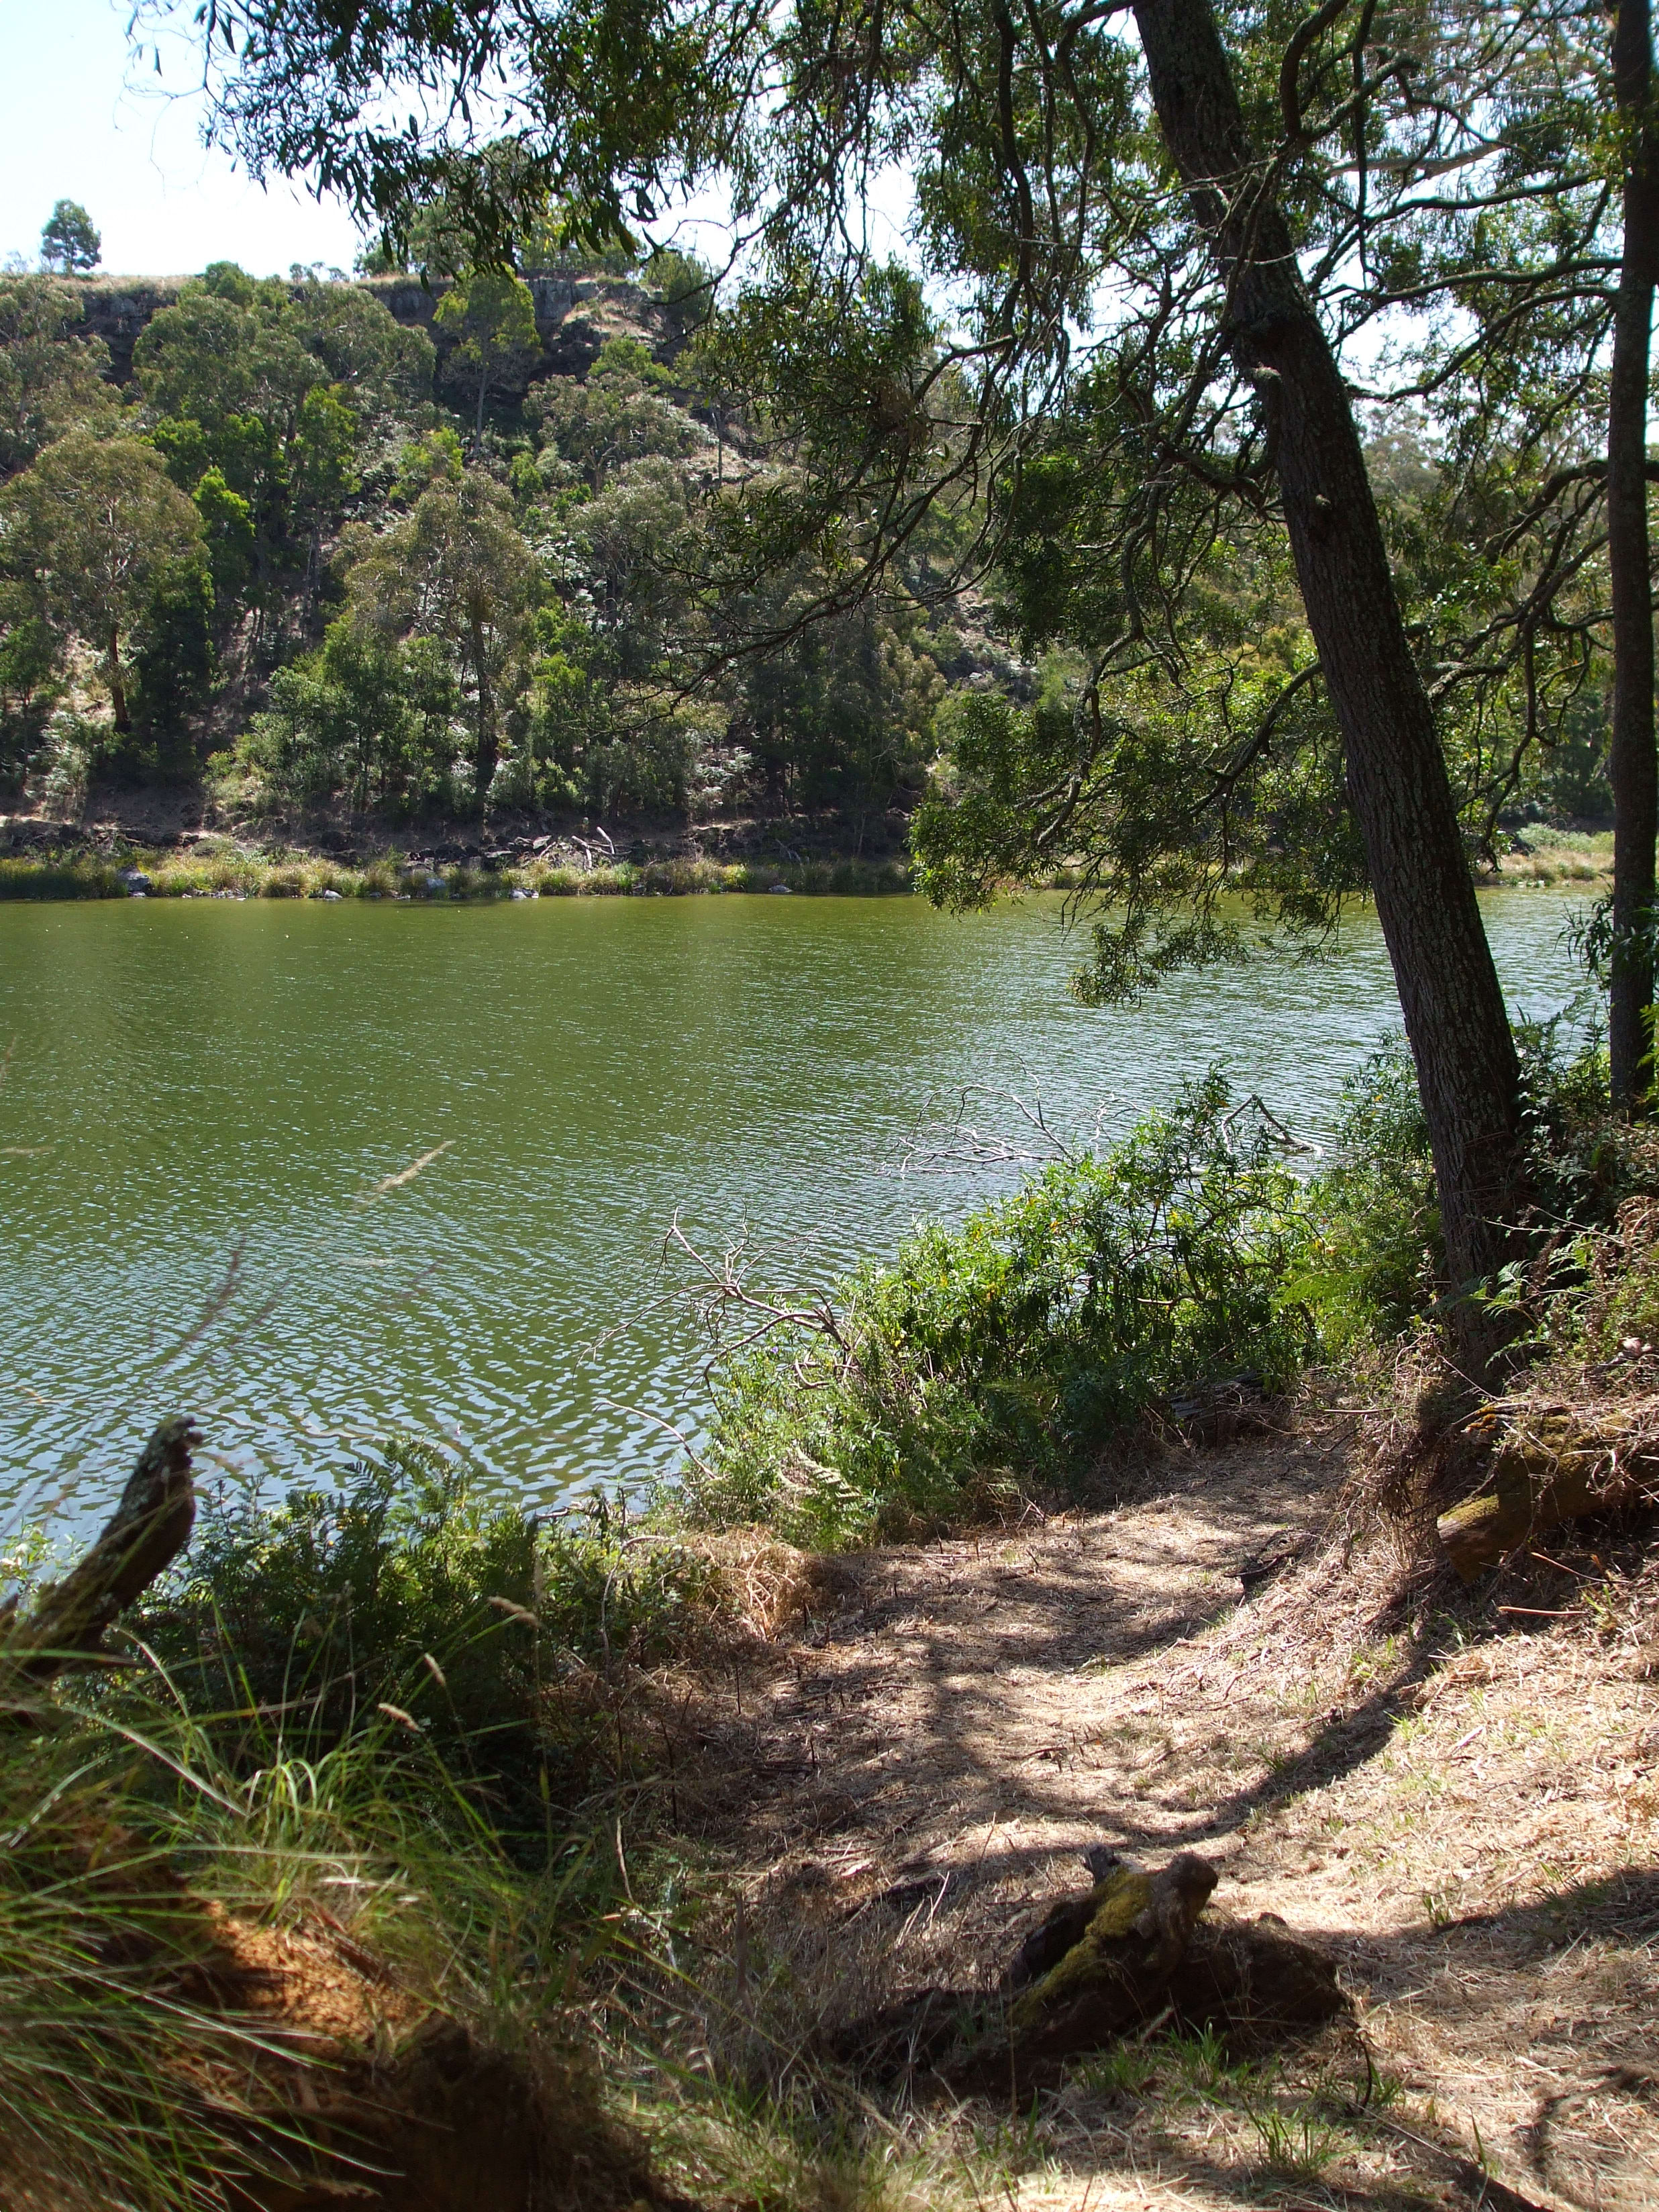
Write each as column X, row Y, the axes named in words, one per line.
column 574, row 316
column 117, row 308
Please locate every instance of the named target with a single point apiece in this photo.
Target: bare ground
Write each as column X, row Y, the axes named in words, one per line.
column 1453, row 1794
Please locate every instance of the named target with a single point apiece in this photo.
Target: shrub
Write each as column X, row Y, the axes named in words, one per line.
column 1370, row 1265
column 293, row 1627
column 1009, row 1352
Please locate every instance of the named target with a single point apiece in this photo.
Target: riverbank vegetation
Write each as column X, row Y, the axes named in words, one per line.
column 238, row 872
column 641, row 1819
column 332, row 592
column 406, row 1831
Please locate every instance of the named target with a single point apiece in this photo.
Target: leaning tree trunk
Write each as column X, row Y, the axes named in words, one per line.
column 1466, row 1067
column 64, row 1627
column 1631, row 761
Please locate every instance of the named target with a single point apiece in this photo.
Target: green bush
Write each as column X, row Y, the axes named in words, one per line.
column 1006, row 1353
column 405, row 1593
column 1370, row 1265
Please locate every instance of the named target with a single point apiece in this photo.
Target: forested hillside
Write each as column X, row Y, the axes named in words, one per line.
column 410, row 547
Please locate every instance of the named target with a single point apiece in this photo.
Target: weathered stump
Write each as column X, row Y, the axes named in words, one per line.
column 65, row 1626
column 1115, row 1961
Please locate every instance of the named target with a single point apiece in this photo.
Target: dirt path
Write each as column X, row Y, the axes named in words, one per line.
column 1459, row 1801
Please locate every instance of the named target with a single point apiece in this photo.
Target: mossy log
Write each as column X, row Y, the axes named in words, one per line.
column 66, row 1624
column 1116, row 1975
column 1109, row 1962
column 1555, row 1464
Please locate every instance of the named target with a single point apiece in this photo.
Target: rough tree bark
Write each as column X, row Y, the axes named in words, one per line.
column 1632, row 769
column 1466, row 1067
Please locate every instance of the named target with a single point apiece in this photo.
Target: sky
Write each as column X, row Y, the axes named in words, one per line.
column 80, row 121
column 82, row 118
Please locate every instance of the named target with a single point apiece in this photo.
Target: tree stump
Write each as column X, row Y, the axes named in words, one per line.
column 65, row 1625
column 1112, row 1961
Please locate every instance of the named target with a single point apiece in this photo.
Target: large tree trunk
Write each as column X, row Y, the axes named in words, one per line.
column 1467, row 1068
column 1633, row 767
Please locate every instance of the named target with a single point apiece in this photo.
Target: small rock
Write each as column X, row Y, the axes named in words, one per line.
column 520, row 892
column 133, row 881
column 331, row 895
column 781, row 890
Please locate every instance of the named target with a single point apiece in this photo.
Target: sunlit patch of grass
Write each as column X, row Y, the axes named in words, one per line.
column 1543, row 855
column 58, row 879
column 1295, row 2139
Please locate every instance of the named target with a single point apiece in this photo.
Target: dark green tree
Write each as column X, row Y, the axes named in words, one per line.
column 275, row 387
column 70, row 242
column 96, row 531
column 458, row 571
column 491, row 317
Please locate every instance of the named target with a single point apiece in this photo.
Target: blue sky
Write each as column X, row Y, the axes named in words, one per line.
column 78, row 120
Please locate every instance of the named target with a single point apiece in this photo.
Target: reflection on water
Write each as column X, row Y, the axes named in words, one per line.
column 316, row 1172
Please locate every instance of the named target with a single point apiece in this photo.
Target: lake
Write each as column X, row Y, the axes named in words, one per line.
column 211, row 1108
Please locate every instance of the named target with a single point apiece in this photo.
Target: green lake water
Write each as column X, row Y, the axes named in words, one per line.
column 202, row 1097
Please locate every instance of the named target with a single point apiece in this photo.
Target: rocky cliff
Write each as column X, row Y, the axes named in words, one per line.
column 574, row 316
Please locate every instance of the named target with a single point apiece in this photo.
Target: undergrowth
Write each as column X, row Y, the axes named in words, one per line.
column 509, row 1651
column 1013, row 1355
column 1004, row 1353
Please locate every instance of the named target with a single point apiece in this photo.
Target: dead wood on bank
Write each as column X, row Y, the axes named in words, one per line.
column 65, row 1625
column 1552, row 1460
column 1120, row 1959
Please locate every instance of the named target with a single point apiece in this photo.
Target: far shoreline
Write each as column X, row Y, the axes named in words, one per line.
column 71, row 862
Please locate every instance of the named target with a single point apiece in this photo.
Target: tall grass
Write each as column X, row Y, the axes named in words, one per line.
column 507, row 1649
column 307, row 1729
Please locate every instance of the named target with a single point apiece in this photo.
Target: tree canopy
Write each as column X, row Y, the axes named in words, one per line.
column 69, row 241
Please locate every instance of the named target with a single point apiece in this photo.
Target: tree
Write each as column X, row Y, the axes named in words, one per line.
column 276, row 386
column 96, row 531
column 491, row 316
column 458, row 569
column 1172, row 290
column 617, row 414
column 50, row 377
column 1633, row 770
column 70, row 242
column 1456, row 1018
column 371, row 715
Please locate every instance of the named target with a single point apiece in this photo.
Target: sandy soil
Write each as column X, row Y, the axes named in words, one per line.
column 1454, row 1793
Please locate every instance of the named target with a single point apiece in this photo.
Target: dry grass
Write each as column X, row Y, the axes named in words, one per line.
column 1454, row 1793
column 221, row 868
column 1543, row 855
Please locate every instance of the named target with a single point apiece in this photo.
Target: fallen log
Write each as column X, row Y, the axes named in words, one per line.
column 1553, row 1463
column 1112, row 1961
column 65, row 1625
